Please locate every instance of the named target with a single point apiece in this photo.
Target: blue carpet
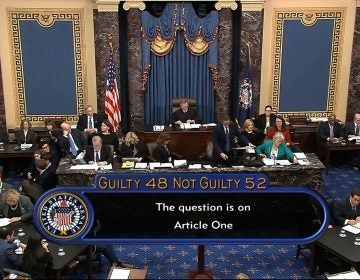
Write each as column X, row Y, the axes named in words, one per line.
column 225, row 261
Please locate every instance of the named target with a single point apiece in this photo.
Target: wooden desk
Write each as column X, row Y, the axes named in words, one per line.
column 191, row 144
column 294, row 175
column 341, row 247
column 59, row 262
column 331, row 147
column 9, row 152
column 306, row 135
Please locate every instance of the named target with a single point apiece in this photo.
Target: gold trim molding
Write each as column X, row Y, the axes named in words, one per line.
column 308, row 17
column 107, row 5
column 226, row 4
column 252, row 5
column 134, row 5
column 76, row 17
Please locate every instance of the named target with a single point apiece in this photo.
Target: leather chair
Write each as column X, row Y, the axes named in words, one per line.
column 177, row 100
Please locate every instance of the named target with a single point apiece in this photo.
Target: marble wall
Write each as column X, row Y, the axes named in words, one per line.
column 2, row 102
column 106, row 29
column 353, row 105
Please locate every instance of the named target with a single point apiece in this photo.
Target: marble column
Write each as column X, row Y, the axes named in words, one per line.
column 106, row 26
column 353, row 103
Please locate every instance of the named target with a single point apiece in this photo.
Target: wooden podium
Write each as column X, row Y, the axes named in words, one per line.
column 201, row 273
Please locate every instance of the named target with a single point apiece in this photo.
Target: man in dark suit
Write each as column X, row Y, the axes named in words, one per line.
column 223, row 138
column 8, row 258
column 184, row 114
column 98, row 153
column 89, row 123
column 331, row 130
column 265, row 120
column 347, row 209
column 45, row 180
column 352, row 128
column 71, row 142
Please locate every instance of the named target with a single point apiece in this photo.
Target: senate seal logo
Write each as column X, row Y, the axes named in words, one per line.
column 63, row 215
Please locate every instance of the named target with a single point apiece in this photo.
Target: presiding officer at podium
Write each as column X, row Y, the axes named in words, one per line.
column 223, row 139
column 184, row 114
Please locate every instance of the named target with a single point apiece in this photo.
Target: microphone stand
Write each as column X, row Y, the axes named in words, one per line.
column 274, row 157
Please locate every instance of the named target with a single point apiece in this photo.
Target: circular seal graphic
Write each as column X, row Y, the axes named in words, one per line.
column 63, row 215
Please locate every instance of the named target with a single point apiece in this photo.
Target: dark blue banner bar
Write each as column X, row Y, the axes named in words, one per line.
column 182, row 208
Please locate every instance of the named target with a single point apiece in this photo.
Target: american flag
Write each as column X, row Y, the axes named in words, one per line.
column 112, row 101
column 63, row 214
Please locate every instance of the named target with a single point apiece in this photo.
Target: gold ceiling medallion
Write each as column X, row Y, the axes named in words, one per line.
column 309, row 18
column 45, row 20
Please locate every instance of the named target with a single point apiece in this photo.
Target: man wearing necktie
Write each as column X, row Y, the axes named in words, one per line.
column 352, row 128
column 98, row 153
column 331, row 130
column 351, row 132
column 71, row 142
column 223, row 139
column 89, row 123
column 347, row 209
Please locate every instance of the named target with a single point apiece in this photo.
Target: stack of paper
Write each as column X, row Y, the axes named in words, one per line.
column 180, row 162
column 195, row 166
column 91, row 166
column 141, row 165
column 4, row 222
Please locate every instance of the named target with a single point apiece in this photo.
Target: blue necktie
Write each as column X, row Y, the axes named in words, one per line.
column 90, row 123
column 97, row 157
column 73, row 149
column 227, row 139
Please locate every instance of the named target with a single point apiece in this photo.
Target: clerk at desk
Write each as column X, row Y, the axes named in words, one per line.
column 184, row 114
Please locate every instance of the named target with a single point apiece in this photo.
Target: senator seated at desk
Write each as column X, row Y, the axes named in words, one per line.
column 98, row 153
column 276, row 149
column 184, row 114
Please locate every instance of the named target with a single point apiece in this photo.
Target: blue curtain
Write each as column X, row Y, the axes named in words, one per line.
column 178, row 72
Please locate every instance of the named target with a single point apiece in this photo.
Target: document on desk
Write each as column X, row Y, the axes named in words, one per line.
column 91, row 166
column 270, row 161
column 4, row 222
column 352, row 229
column 120, row 273
column 195, row 166
column 180, row 162
column 141, row 165
column 300, row 155
column 190, row 125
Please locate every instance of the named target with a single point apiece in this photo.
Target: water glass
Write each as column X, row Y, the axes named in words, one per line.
column 357, row 240
column 21, row 232
column 342, row 233
column 61, row 252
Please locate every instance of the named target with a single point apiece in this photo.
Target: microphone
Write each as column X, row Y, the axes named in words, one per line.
column 274, row 157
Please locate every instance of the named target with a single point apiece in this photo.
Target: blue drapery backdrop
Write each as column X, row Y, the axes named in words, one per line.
column 178, row 72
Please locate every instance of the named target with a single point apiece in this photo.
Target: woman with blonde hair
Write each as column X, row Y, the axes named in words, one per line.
column 251, row 136
column 16, row 207
column 133, row 147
